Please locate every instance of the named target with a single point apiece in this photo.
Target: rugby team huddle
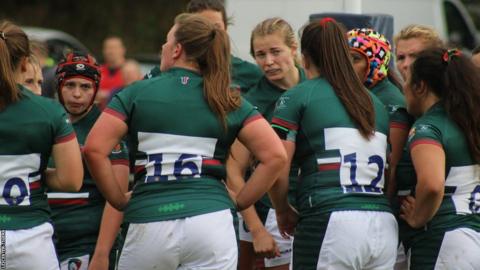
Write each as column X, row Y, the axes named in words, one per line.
column 317, row 157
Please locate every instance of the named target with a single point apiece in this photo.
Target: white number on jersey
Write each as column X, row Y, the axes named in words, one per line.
column 466, row 183
column 362, row 161
column 16, row 173
column 170, row 157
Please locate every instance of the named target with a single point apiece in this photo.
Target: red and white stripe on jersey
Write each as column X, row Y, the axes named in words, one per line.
column 252, row 119
column 24, row 170
column 66, row 138
column 68, row 198
column 285, row 124
column 326, row 164
column 399, row 125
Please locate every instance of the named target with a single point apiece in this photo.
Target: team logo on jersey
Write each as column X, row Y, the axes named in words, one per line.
column 185, row 80
column 80, row 67
column 74, row 264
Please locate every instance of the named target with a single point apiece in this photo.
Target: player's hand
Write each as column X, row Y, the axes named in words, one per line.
column 99, row 262
column 264, row 244
column 287, row 221
column 407, row 212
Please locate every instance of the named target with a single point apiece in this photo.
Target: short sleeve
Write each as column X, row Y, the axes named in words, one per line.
column 287, row 115
column 248, row 113
column 119, row 154
column 399, row 117
column 121, row 104
column 61, row 125
column 424, row 133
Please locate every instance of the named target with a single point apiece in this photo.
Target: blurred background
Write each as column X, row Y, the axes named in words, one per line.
column 141, row 24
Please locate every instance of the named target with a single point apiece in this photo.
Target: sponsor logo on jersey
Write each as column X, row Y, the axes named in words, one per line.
column 5, row 219
column 282, row 103
column 74, row 264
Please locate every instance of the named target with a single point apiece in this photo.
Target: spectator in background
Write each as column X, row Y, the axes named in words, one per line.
column 131, row 72
column 476, row 56
column 114, row 58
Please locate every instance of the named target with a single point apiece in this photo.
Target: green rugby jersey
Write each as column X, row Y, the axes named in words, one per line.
column 77, row 216
column 244, row 74
column 264, row 96
column 340, row 169
column 179, row 144
column 460, row 206
column 28, row 130
column 394, row 103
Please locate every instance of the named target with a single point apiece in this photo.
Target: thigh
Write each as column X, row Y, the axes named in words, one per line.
column 209, row 242
column 460, row 249
column 284, row 245
column 154, row 245
column 28, row 249
column 75, row 263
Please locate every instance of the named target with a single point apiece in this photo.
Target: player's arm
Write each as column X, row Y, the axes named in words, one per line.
column 237, row 164
column 103, row 137
column 260, row 139
column 110, row 225
column 68, row 173
column 398, row 137
column 429, row 163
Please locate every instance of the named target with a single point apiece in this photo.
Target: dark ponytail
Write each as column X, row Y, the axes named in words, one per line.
column 325, row 45
column 453, row 78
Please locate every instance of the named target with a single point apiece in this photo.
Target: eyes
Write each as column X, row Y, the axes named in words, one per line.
column 83, row 86
column 262, row 54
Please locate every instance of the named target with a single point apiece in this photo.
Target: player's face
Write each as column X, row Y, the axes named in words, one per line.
column 406, row 52
column 168, row 50
column 274, row 57
column 33, row 78
column 360, row 64
column 77, row 94
column 214, row 17
column 412, row 100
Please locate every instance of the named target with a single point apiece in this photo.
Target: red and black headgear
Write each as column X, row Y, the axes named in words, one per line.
column 78, row 65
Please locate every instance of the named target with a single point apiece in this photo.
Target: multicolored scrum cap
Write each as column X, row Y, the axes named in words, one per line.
column 78, row 65
column 376, row 49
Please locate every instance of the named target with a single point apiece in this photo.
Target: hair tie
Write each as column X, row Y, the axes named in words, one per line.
column 2, row 35
column 447, row 56
column 213, row 34
column 326, row 20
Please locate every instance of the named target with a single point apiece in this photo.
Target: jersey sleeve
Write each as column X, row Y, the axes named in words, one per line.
column 248, row 113
column 121, row 104
column 119, row 154
column 63, row 129
column 287, row 115
column 424, row 133
column 399, row 117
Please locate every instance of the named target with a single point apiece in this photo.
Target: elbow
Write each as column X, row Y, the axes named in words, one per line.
column 279, row 159
column 74, row 182
column 433, row 188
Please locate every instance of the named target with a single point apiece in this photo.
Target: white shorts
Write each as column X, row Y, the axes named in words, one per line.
column 359, row 240
column 284, row 245
column 75, row 263
column 460, row 250
column 200, row 242
column 28, row 249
